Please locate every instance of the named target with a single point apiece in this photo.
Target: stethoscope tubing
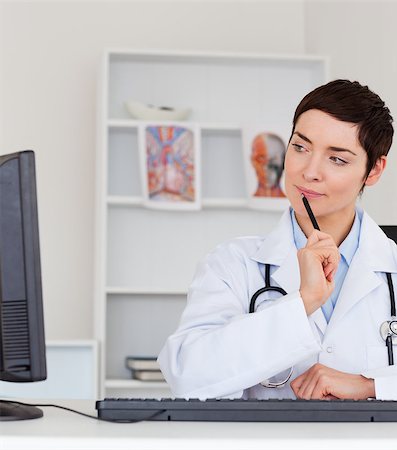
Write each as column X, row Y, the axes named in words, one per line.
column 267, row 288
column 392, row 296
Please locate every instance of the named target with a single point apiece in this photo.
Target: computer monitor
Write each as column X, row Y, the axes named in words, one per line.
column 22, row 344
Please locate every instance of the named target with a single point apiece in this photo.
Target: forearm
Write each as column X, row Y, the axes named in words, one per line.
column 216, row 360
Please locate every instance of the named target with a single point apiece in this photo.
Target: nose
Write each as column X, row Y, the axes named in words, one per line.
column 312, row 171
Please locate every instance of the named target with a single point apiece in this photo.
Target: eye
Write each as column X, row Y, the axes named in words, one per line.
column 298, row 147
column 338, row 161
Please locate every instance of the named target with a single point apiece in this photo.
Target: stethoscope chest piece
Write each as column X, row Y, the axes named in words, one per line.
column 389, row 328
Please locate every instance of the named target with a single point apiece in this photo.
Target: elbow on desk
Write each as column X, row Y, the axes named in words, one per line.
column 187, row 381
column 175, row 373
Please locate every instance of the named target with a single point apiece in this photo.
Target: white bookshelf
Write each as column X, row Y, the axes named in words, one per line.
column 145, row 259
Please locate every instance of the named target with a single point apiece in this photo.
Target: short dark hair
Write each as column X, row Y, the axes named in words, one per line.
column 349, row 101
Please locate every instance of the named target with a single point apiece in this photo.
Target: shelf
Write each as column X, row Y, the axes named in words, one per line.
column 222, row 203
column 124, row 200
column 123, row 123
column 134, row 384
column 225, row 203
column 186, row 56
column 204, row 126
column 114, row 290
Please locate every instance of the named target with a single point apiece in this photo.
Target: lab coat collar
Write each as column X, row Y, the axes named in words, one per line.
column 375, row 247
column 277, row 244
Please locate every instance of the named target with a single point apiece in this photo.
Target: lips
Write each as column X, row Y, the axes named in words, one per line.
column 309, row 193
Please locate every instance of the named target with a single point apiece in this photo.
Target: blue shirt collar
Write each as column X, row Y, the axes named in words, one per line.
column 347, row 248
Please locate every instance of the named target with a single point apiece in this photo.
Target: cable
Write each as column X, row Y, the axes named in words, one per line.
column 42, row 405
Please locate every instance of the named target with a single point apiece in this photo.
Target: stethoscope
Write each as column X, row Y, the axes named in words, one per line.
column 388, row 329
column 268, row 288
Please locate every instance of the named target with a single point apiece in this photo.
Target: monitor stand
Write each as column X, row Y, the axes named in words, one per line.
column 10, row 410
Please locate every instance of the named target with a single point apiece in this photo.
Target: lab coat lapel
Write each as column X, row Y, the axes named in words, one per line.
column 373, row 255
column 359, row 282
column 278, row 249
column 320, row 320
column 287, row 274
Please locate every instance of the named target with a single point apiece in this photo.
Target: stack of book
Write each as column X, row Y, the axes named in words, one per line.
column 144, row 368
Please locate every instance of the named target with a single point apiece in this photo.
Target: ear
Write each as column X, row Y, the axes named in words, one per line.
column 376, row 171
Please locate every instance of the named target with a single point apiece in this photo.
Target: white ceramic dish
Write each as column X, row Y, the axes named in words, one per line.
column 143, row 111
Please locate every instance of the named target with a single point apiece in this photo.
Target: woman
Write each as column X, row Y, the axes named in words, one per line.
column 327, row 326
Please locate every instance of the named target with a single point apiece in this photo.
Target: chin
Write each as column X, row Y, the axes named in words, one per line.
column 299, row 207
column 295, row 200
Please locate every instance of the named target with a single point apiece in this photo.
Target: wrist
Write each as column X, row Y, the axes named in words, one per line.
column 308, row 302
column 369, row 387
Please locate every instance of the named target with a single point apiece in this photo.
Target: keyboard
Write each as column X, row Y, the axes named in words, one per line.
column 237, row 410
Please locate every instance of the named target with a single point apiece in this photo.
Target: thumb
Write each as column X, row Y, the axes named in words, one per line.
column 330, row 276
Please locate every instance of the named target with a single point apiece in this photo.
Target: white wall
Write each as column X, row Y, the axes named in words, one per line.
column 361, row 40
column 49, row 61
column 50, row 55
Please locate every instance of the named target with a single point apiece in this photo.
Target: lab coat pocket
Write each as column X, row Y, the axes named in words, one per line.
column 376, row 356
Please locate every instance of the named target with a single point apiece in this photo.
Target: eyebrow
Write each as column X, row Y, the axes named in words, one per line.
column 334, row 149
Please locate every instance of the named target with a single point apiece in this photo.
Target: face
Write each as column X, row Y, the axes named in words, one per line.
column 326, row 162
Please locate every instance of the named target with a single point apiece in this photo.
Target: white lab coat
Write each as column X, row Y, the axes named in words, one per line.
column 219, row 350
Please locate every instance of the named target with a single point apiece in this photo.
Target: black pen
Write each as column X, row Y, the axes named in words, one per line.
column 310, row 213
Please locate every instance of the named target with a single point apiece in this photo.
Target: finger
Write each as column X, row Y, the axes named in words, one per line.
column 329, row 272
column 322, row 243
column 330, row 397
column 328, row 268
column 308, row 386
column 297, row 382
column 321, row 389
column 300, row 381
column 331, row 276
column 327, row 255
column 324, row 246
column 317, row 237
column 303, row 381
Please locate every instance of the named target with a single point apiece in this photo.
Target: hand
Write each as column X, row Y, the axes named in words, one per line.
column 318, row 262
column 321, row 382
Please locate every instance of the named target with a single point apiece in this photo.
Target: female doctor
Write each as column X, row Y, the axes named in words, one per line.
column 322, row 339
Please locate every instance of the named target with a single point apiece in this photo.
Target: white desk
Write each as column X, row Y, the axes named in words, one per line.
column 60, row 429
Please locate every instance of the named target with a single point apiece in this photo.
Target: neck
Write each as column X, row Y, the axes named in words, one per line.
column 336, row 225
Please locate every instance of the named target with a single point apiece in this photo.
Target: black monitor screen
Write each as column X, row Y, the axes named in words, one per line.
column 22, row 344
